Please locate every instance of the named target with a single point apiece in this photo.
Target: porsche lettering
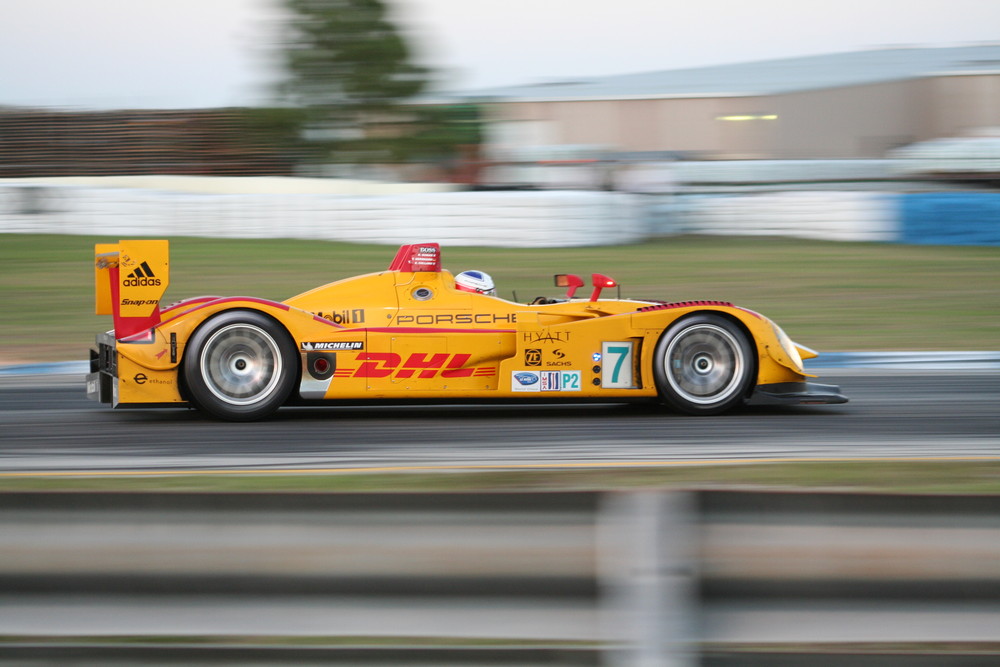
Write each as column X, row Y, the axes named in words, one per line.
column 457, row 318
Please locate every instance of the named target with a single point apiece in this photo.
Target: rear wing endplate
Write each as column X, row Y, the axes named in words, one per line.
column 130, row 278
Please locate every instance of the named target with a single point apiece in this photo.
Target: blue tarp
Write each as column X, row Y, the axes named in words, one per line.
column 950, row 218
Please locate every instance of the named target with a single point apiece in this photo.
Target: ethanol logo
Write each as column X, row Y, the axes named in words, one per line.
column 141, row 277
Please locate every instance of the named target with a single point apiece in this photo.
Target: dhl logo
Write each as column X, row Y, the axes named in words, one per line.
column 418, row 364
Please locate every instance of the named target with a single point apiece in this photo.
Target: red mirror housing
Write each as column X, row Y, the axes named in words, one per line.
column 600, row 282
column 569, row 281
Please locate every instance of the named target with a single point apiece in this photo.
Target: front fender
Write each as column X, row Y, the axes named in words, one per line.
column 778, row 359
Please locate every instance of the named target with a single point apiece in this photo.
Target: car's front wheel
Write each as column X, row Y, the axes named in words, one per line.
column 704, row 365
column 240, row 366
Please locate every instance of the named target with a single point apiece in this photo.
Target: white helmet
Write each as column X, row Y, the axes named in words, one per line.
column 475, row 281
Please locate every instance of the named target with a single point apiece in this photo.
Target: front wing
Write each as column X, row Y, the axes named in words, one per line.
column 796, row 393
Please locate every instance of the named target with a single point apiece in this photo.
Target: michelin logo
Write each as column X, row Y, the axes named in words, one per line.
column 333, row 347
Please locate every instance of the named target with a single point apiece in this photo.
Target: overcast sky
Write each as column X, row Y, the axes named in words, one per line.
column 200, row 53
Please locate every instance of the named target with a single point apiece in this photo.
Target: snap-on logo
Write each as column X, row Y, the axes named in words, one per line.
column 141, row 277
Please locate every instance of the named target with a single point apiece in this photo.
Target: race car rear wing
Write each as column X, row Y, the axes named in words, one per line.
column 130, row 278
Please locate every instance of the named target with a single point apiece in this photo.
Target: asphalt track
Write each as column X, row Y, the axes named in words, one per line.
column 48, row 426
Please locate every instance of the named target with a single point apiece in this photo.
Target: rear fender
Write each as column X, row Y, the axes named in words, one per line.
column 163, row 348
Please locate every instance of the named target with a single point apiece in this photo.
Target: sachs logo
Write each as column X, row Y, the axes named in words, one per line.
column 141, row 277
column 526, row 379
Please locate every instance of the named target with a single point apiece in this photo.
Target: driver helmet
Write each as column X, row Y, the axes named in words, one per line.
column 475, row 281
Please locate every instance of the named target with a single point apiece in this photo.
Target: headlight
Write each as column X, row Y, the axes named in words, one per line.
column 788, row 347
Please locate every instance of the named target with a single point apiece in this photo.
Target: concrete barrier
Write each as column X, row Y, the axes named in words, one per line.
column 495, row 219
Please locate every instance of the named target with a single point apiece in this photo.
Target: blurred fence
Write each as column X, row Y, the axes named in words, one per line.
column 511, row 219
column 499, row 219
column 831, row 216
column 614, row 578
column 45, row 142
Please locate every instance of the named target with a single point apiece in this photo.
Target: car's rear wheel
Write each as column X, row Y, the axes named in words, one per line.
column 240, row 366
column 704, row 365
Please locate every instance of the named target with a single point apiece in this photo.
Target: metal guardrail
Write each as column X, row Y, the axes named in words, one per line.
column 616, row 578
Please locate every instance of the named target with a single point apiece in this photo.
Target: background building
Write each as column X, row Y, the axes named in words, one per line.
column 845, row 105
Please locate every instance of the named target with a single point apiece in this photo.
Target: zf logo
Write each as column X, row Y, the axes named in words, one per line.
column 533, row 357
column 418, row 365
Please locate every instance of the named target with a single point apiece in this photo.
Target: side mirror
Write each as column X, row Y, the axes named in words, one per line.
column 599, row 283
column 570, row 282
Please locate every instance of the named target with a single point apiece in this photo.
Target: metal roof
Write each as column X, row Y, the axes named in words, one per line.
column 765, row 77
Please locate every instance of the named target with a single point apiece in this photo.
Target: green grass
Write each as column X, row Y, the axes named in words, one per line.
column 940, row 477
column 827, row 295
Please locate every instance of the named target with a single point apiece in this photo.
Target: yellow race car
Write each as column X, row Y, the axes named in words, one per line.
column 411, row 333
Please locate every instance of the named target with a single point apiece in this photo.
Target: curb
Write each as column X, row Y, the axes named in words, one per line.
column 54, row 368
column 907, row 361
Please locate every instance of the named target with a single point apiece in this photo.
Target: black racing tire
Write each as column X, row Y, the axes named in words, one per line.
column 240, row 365
column 704, row 365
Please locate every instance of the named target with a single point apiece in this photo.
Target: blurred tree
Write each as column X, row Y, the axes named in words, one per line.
column 438, row 130
column 349, row 68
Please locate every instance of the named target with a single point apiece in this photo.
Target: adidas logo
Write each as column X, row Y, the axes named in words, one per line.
column 141, row 277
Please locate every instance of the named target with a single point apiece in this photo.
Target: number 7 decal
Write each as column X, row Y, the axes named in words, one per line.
column 616, row 373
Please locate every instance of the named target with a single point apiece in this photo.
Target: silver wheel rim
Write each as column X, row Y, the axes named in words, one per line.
column 704, row 364
column 241, row 364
